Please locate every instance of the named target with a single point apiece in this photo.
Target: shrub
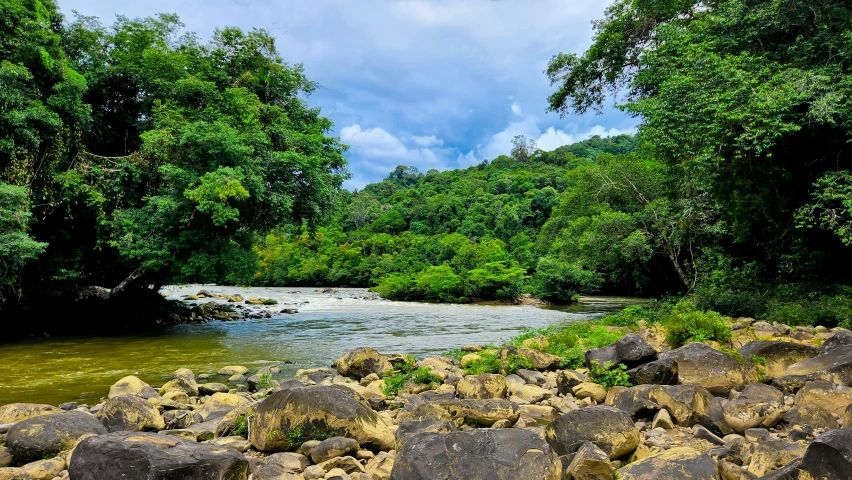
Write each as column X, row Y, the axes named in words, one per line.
column 408, row 373
column 685, row 323
column 630, row 317
column 610, row 375
column 487, row 362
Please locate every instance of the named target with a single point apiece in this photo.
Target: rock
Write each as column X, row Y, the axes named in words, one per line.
column 45, row 469
column 688, row 405
column 731, row 471
column 701, row 432
column 758, row 405
column 361, row 362
column 415, row 426
column 679, row 463
column 531, row 377
column 175, row 419
column 131, row 414
column 658, row 372
column 830, row 396
column 482, row 412
column 6, row 458
column 631, row 350
column 536, row 343
column 757, row 435
column 143, row 456
column 590, row 463
column 233, row 370
column 172, row 396
column 180, row 433
column 308, row 447
column 504, row 454
column 484, row 386
column 609, row 428
column 233, row 442
column 540, row 360
column 662, row 420
column 811, row 415
column 18, row 412
column 524, row 393
column 699, row 364
column 278, row 464
column 538, row 412
column 591, row 390
column 211, row 388
column 829, row 456
column 765, row 456
column 131, row 385
column 348, row 464
column 834, row 365
column 219, row 404
column 68, row 406
column 840, row 338
column 379, row 468
column 847, row 416
column 36, row 437
column 566, row 380
column 442, row 367
column 203, row 430
column 778, row 355
column 316, row 409
column 334, row 447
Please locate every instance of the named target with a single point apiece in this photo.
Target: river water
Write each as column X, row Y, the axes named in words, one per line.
column 81, row 369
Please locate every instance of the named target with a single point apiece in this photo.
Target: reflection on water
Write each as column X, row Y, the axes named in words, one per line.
column 55, row 370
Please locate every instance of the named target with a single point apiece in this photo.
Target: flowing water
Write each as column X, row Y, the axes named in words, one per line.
column 56, row 370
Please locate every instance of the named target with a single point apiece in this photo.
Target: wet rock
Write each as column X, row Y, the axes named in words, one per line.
column 631, row 350
column 699, row 364
column 143, row 456
column 127, row 413
column 316, row 409
column 484, row 386
column 361, row 362
column 830, row 396
column 504, row 454
column 211, row 388
column 658, row 372
column 233, row 370
column 679, row 463
column 610, row 429
column 334, row 447
column 37, row 437
column 17, row 412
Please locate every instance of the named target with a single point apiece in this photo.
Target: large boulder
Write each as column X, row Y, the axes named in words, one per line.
column 812, row 416
column 37, row 437
column 131, row 385
column 658, row 372
column 484, row 386
column 442, row 367
column 688, row 405
column 778, row 355
column 220, row 404
column 632, row 350
column 829, row 456
column 759, row 405
column 151, row 456
column 17, row 412
column 130, row 414
column 840, row 338
column 361, row 362
column 183, row 381
column 415, row 426
column 589, row 463
column 315, row 410
column 699, row 364
column 482, row 454
column 830, row 396
column 609, row 428
column 834, row 365
column 679, row 463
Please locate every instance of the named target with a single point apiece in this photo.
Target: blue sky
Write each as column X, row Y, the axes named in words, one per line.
column 433, row 84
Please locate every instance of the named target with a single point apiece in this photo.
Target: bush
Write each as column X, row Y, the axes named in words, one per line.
column 685, row 323
column 487, row 362
column 630, row 317
column 408, row 373
column 610, row 375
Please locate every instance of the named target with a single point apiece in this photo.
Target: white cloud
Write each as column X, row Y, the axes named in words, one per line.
column 427, row 141
column 516, row 109
column 373, row 142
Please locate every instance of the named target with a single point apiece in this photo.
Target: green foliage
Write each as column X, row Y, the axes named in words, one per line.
column 571, row 341
column 240, row 427
column 408, row 373
column 266, row 381
column 488, row 362
column 517, row 362
column 632, row 315
column 298, row 435
column 610, row 375
column 686, row 324
column 16, row 245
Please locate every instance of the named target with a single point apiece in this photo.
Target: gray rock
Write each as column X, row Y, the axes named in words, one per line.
column 334, row 447
column 144, row 456
column 829, row 456
column 658, row 372
column 37, row 437
column 127, row 413
column 481, row 454
column 632, row 350
column 610, row 429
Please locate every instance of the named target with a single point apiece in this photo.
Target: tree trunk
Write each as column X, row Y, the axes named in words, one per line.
column 128, row 282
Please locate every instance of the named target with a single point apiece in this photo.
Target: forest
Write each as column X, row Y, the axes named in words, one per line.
column 136, row 155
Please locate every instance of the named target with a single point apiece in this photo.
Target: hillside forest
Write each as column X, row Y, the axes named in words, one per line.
column 137, row 155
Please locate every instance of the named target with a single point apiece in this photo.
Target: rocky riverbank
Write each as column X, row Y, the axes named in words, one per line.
column 778, row 405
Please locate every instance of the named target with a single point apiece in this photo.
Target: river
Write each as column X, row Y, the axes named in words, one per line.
column 56, row 370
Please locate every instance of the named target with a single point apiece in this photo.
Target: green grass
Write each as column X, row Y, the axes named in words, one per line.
column 686, row 324
column 299, row 435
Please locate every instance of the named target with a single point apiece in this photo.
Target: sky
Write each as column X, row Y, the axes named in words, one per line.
column 431, row 84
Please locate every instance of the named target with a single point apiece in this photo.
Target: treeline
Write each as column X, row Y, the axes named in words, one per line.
column 135, row 155
column 449, row 236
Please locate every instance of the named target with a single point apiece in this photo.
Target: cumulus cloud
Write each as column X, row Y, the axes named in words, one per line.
column 427, row 141
column 516, row 109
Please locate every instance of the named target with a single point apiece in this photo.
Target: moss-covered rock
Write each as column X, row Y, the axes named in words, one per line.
column 484, row 386
column 18, row 412
column 37, row 437
column 699, row 364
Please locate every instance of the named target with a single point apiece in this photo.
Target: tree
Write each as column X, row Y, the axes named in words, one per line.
column 523, row 148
